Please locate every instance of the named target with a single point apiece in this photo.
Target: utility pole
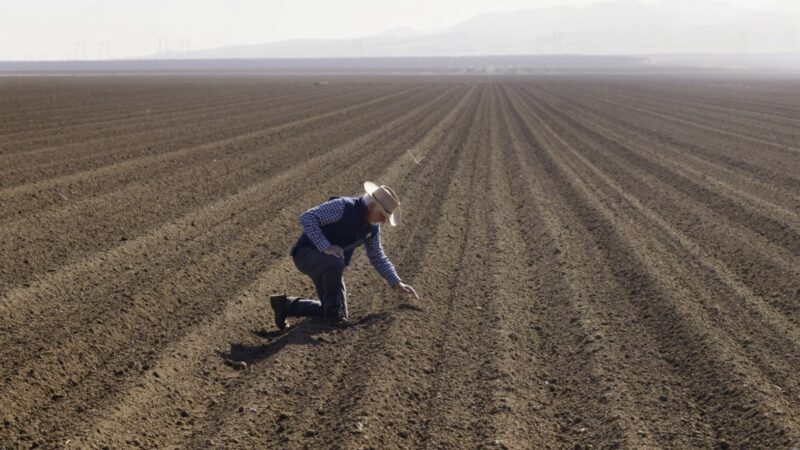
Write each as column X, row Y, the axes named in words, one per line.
column 103, row 50
column 744, row 42
column 357, row 49
column 163, row 45
column 80, row 50
column 556, row 43
column 184, row 47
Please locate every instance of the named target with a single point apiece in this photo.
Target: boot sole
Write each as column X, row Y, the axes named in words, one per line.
column 279, row 310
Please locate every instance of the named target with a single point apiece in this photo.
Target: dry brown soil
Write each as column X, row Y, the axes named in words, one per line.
column 604, row 262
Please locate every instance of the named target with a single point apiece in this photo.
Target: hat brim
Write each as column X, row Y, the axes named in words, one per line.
column 394, row 217
column 370, row 187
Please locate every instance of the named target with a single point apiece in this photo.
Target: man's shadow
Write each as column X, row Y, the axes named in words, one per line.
column 307, row 332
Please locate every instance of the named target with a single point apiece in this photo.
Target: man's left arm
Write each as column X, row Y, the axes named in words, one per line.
column 380, row 261
column 383, row 266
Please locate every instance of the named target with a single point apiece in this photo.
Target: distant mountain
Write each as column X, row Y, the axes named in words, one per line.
column 616, row 27
column 697, row 13
column 401, row 32
column 528, row 24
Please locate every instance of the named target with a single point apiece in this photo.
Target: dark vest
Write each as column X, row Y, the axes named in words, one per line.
column 349, row 232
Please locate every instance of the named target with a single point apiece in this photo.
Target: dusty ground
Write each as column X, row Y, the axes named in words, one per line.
column 605, row 262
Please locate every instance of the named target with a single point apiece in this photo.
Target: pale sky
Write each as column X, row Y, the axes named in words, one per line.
column 95, row 29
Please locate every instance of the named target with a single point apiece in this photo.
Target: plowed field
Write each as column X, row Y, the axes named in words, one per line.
column 604, row 261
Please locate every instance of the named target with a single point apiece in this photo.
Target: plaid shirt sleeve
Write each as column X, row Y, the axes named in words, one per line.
column 379, row 260
column 323, row 214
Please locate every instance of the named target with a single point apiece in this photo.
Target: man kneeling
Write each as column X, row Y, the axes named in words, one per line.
column 331, row 231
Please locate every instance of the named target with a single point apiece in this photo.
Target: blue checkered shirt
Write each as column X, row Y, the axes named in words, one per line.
column 332, row 211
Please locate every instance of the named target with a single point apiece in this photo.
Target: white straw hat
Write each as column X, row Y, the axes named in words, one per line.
column 386, row 199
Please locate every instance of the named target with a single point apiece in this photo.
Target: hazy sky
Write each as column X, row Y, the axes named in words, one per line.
column 95, row 29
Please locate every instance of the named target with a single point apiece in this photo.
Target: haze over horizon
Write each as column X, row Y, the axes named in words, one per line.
column 116, row 29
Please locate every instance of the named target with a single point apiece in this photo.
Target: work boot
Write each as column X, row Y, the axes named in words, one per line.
column 280, row 306
column 339, row 322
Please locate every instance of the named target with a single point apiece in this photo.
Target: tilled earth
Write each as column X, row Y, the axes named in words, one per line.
column 604, row 262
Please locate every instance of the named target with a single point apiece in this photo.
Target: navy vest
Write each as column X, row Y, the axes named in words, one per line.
column 349, row 231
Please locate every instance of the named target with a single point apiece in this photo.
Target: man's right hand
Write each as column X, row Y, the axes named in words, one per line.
column 334, row 250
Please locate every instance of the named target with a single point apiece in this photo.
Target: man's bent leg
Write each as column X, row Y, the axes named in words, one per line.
column 333, row 296
column 302, row 307
column 326, row 271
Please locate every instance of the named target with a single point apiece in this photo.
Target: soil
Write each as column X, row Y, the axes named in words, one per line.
column 604, row 262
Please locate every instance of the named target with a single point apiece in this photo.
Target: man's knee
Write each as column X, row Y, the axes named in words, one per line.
column 330, row 263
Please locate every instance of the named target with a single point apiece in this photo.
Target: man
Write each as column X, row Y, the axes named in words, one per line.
column 331, row 231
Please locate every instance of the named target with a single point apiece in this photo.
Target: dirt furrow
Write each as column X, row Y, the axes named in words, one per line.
column 59, row 192
column 746, row 240
column 597, row 370
column 33, row 100
column 154, row 125
column 520, row 419
column 735, row 185
column 82, row 125
column 732, row 309
column 463, row 363
column 781, row 128
column 59, row 129
column 159, row 139
column 103, row 220
column 788, row 149
column 763, row 96
column 738, row 414
column 770, row 168
column 709, row 168
column 159, row 95
column 743, row 239
column 775, row 350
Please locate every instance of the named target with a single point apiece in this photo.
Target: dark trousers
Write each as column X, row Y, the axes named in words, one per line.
column 327, row 273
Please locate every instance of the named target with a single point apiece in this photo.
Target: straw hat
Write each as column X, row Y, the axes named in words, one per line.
column 386, row 199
